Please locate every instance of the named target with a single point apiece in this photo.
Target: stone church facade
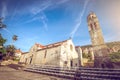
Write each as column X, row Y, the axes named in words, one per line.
column 60, row 54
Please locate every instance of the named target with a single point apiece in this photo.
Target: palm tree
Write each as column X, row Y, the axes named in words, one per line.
column 14, row 38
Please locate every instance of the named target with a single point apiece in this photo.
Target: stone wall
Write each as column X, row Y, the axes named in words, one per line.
column 69, row 56
column 24, row 57
column 80, row 55
column 48, row 56
column 102, row 52
column 61, row 54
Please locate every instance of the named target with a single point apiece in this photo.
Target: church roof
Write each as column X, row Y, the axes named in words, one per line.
column 54, row 45
column 18, row 51
column 57, row 43
column 39, row 46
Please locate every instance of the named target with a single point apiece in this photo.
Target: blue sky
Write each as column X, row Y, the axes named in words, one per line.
column 49, row 21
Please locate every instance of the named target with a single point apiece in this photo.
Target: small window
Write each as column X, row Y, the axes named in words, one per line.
column 65, row 62
column 92, row 16
column 71, row 63
column 71, row 47
column 91, row 26
column 95, row 25
column 56, row 52
column 45, row 54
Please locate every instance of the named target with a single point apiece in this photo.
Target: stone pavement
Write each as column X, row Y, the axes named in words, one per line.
column 7, row 73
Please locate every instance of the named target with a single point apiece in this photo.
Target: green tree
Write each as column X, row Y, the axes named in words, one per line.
column 14, row 38
column 115, row 56
column 2, row 41
column 10, row 50
column 2, row 48
column 85, row 55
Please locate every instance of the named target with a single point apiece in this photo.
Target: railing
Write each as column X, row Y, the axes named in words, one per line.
column 77, row 73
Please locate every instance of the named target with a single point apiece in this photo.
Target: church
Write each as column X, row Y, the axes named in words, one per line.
column 60, row 54
column 66, row 54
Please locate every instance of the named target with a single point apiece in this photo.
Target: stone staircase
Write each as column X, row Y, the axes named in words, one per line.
column 99, row 74
column 76, row 73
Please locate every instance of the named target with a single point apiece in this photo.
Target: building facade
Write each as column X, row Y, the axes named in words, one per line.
column 18, row 53
column 60, row 54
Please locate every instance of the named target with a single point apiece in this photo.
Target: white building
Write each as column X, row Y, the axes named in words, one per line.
column 60, row 54
column 18, row 53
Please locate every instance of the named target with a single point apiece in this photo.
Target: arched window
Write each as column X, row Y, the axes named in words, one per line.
column 95, row 25
column 91, row 26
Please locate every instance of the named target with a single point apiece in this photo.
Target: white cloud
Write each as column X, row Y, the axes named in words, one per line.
column 28, row 42
column 10, row 33
column 15, row 11
column 44, row 20
column 79, row 19
column 62, row 1
column 109, row 11
column 112, row 36
column 41, row 17
column 33, row 19
column 39, row 10
column 45, row 25
column 84, row 42
column 4, row 10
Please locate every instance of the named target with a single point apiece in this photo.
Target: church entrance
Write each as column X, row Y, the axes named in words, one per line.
column 71, row 63
column 30, row 60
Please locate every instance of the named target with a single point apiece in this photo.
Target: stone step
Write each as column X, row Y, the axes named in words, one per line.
column 104, row 76
column 100, row 72
column 78, row 74
column 92, row 78
column 51, row 73
column 99, row 69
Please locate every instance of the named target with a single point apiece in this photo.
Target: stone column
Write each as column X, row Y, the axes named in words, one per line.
column 80, row 57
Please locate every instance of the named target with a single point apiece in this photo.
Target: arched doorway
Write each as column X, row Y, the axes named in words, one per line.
column 31, row 59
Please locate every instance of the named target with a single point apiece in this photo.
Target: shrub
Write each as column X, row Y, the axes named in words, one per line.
column 115, row 56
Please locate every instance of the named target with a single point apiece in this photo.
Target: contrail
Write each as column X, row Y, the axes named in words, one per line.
column 7, row 30
column 79, row 20
column 10, row 34
column 4, row 10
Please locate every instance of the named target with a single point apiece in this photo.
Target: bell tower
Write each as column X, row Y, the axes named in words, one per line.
column 95, row 30
column 100, row 49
